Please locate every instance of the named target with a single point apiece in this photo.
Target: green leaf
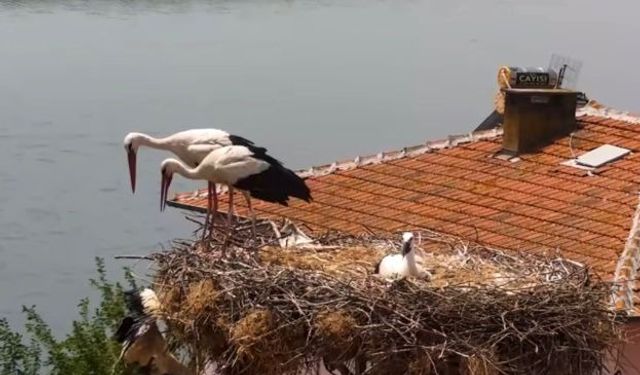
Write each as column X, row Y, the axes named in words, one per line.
column 87, row 350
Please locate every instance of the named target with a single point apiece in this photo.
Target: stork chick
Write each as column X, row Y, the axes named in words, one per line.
column 400, row 265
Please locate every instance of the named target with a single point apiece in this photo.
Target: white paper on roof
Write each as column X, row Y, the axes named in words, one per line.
column 601, row 155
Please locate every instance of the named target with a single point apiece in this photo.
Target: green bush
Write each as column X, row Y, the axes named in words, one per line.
column 87, row 350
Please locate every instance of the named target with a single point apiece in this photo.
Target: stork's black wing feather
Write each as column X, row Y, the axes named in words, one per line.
column 124, row 330
column 135, row 319
column 276, row 184
column 131, row 329
column 133, row 302
column 258, row 152
column 136, row 323
column 241, row 141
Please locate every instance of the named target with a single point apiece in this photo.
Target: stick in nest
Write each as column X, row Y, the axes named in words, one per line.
column 539, row 316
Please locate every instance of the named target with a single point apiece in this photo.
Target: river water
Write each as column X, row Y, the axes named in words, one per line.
column 314, row 81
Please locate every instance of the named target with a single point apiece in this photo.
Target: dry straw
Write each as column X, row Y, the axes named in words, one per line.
column 285, row 311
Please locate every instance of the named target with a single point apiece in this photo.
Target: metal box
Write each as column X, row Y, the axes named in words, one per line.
column 534, row 117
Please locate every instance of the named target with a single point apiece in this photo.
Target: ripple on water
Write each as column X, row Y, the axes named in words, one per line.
column 111, row 144
column 35, row 146
column 41, row 124
column 12, row 4
column 13, row 237
column 39, row 214
column 31, row 295
column 77, row 136
column 7, row 179
column 46, row 160
column 108, row 189
column 69, row 151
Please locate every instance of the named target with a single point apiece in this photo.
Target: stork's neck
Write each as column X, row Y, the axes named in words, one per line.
column 180, row 168
column 152, row 142
column 410, row 258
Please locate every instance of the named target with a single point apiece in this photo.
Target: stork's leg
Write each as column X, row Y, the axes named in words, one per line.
column 214, row 192
column 230, row 214
column 206, row 217
column 247, row 196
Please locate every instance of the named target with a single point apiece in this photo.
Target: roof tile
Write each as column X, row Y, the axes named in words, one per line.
column 534, row 204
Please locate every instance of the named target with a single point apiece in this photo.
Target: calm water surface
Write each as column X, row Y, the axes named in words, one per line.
column 314, row 81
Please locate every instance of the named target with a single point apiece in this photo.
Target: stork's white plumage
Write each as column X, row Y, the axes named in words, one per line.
column 400, row 265
column 150, row 302
column 249, row 169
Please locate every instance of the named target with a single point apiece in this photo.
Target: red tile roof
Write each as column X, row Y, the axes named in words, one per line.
column 461, row 186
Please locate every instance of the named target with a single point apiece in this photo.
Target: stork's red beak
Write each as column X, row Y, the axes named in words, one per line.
column 131, row 155
column 164, row 190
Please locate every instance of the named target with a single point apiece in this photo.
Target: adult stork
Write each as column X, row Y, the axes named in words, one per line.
column 246, row 168
column 142, row 342
column 190, row 146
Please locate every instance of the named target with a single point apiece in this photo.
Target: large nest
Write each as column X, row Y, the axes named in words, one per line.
column 286, row 311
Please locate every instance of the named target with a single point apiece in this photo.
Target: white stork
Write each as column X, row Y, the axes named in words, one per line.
column 190, row 146
column 247, row 168
column 400, row 265
column 142, row 342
